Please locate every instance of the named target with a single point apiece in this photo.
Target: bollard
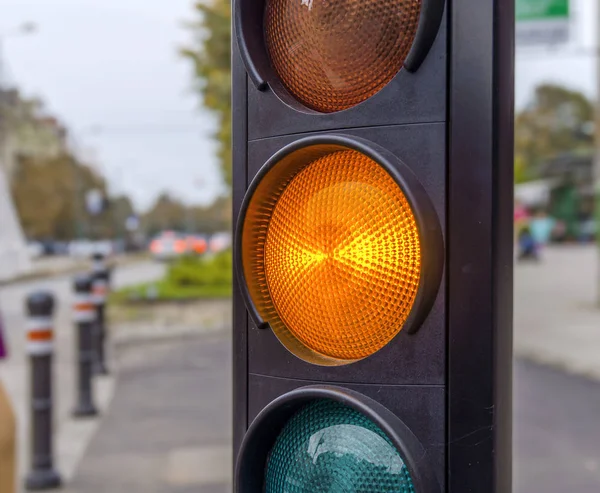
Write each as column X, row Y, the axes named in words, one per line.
column 42, row 475
column 101, row 276
column 84, row 316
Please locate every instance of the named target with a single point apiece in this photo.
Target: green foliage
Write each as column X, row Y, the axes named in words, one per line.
column 121, row 208
column 49, row 195
column 168, row 213
column 210, row 55
column 521, row 171
column 202, row 271
column 188, row 278
column 557, row 121
column 165, row 291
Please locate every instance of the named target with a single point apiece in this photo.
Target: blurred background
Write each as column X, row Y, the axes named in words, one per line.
column 115, row 138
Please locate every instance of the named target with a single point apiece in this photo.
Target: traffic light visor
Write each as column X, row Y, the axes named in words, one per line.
column 333, row 54
column 329, row 446
column 331, row 252
column 327, row 438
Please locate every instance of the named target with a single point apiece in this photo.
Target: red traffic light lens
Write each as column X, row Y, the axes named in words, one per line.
column 334, row 54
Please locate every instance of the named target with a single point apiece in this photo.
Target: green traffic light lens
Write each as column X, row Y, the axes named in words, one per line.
column 330, row 447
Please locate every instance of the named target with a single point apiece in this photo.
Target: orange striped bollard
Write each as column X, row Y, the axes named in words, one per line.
column 84, row 316
column 100, row 286
column 40, row 308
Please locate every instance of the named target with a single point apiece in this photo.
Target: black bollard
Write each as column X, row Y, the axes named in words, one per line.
column 84, row 315
column 42, row 475
column 100, row 286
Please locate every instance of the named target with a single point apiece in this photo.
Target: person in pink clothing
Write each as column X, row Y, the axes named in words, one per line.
column 7, row 432
column 2, row 344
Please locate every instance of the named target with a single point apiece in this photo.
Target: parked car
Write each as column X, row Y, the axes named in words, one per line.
column 53, row 247
column 35, row 249
column 86, row 248
column 196, row 244
column 168, row 246
column 219, row 242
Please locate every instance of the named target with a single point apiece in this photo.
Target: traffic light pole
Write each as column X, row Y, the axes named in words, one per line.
column 449, row 122
column 239, row 185
column 480, row 257
column 597, row 154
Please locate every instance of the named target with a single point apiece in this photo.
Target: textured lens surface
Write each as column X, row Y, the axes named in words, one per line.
column 329, row 447
column 333, row 54
column 341, row 257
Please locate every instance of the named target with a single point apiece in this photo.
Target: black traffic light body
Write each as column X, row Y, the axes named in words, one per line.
column 449, row 120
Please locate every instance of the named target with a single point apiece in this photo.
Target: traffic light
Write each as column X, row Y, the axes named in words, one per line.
column 373, row 179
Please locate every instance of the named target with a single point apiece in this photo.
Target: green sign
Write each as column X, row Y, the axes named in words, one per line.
column 537, row 10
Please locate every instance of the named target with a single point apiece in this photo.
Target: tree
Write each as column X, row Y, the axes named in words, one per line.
column 214, row 218
column 121, row 209
column 210, row 55
column 167, row 213
column 557, row 121
column 49, row 195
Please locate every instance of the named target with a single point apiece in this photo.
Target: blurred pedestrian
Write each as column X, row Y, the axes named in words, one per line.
column 7, row 433
column 541, row 226
column 528, row 248
column 520, row 213
column 525, row 243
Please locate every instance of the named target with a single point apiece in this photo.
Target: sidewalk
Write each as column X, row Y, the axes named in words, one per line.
column 557, row 320
column 71, row 436
column 168, row 429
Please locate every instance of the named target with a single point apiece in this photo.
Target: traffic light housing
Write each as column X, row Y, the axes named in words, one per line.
column 372, row 166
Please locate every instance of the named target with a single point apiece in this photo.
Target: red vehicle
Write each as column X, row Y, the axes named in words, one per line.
column 168, row 246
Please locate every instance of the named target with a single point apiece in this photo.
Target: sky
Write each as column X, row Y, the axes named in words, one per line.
column 113, row 65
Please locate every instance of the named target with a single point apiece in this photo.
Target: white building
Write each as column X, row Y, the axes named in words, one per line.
column 14, row 256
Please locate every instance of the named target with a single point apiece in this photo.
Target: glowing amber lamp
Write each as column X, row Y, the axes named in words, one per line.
column 332, row 256
column 333, row 54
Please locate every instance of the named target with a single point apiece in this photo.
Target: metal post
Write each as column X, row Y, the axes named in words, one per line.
column 100, row 285
column 84, row 316
column 596, row 171
column 42, row 475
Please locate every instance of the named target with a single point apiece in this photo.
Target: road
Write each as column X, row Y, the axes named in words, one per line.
column 556, row 431
column 557, row 414
column 14, row 371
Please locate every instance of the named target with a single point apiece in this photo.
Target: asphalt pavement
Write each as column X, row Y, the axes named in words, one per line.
column 168, row 429
column 556, row 431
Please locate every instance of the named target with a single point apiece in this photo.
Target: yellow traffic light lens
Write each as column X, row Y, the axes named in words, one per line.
column 331, row 255
column 333, row 54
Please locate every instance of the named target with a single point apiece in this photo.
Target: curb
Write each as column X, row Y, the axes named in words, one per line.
column 74, row 436
column 557, row 363
column 74, row 269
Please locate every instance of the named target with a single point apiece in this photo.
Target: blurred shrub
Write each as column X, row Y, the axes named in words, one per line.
column 214, row 270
